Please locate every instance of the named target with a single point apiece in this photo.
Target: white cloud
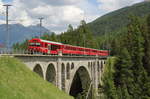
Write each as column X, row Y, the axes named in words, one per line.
column 72, row 14
column 42, row 10
column 2, row 8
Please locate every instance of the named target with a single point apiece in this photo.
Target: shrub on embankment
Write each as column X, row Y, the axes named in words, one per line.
column 18, row 82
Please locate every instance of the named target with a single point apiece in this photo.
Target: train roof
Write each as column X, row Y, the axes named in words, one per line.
column 46, row 41
column 51, row 42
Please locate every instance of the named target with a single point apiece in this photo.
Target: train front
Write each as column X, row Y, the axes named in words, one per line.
column 35, row 46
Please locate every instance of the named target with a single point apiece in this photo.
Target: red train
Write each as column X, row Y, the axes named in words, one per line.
column 50, row 47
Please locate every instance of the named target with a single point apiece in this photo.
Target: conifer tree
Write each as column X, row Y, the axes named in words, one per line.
column 116, row 47
column 70, row 28
column 146, row 59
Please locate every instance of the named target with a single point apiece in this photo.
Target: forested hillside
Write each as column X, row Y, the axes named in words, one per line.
column 117, row 20
column 130, row 75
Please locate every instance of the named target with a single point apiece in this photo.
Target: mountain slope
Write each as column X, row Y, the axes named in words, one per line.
column 18, row 32
column 18, row 82
column 114, row 21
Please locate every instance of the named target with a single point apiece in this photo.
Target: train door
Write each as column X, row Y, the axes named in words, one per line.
column 49, row 48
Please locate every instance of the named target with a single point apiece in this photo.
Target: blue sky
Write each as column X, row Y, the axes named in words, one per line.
column 94, row 2
column 6, row 1
column 59, row 13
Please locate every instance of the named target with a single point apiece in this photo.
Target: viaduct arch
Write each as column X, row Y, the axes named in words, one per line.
column 80, row 82
column 38, row 69
column 51, row 74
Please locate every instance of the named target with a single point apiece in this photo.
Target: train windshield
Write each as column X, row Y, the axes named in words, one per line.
column 34, row 44
column 55, row 47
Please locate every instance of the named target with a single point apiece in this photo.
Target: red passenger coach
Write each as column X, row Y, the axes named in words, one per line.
column 49, row 47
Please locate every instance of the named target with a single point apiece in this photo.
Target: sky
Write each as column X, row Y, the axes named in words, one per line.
column 58, row 14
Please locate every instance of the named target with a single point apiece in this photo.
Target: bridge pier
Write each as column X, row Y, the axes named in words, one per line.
column 59, row 68
column 96, row 76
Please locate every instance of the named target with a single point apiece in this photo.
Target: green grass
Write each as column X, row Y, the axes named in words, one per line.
column 18, row 82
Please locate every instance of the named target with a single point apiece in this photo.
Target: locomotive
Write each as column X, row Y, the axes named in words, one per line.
column 54, row 48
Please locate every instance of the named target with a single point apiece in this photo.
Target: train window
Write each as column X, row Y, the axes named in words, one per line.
column 34, row 40
column 66, row 47
column 82, row 49
column 35, row 44
column 45, row 44
column 74, row 49
column 55, row 47
column 69, row 48
column 49, row 47
column 94, row 51
column 31, row 44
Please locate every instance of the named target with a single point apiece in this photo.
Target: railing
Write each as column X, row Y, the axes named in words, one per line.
column 18, row 51
column 26, row 52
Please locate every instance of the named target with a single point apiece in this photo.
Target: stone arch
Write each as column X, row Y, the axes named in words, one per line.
column 72, row 66
column 68, row 71
column 80, row 82
column 51, row 74
column 63, row 76
column 38, row 69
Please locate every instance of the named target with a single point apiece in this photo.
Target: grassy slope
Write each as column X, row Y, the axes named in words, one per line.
column 18, row 82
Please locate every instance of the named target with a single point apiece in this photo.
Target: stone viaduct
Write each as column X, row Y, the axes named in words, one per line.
column 72, row 74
